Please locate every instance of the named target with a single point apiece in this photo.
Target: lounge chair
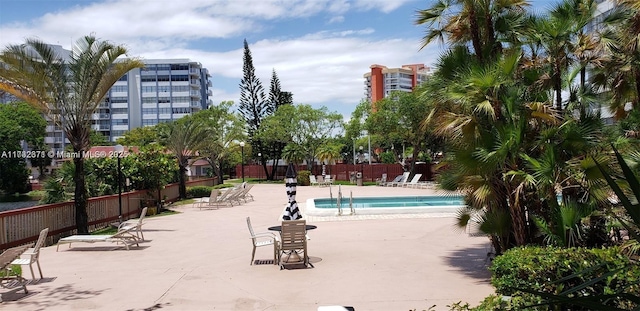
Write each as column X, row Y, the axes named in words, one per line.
column 313, row 181
column 245, row 195
column 413, row 182
column 403, row 179
column 263, row 239
column 136, row 224
column 234, row 195
column 32, row 255
column 382, row 180
column 395, row 180
column 124, row 236
column 293, row 239
column 213, row 200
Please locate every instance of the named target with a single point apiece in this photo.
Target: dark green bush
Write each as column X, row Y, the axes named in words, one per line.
column 303, row 178
column 222, row 186
column 554, row 270
column 198, row 191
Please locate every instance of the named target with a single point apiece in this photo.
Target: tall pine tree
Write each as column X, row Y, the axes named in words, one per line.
column 253, row 104
column 277, row 98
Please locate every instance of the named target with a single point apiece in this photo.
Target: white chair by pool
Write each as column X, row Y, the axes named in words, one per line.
column 414, row 181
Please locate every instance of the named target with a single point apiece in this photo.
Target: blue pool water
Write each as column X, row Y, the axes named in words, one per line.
column 393, row 202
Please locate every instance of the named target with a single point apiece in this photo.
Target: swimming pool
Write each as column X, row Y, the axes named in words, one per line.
column 386, row 205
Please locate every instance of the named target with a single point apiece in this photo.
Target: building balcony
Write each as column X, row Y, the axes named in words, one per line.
column 194, row 82
column 194, row 72
column 195, row 94
column 210, row 92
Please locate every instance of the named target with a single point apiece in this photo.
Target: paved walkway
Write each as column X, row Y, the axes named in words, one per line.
column 199, row 260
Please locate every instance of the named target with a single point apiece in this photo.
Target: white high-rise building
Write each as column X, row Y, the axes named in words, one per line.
column 163, row 91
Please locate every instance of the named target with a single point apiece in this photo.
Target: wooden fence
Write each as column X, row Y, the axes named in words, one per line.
column 22, row 226
column 342, row 171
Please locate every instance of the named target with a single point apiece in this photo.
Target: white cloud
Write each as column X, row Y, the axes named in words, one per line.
column 324, row 67
column 336, row 20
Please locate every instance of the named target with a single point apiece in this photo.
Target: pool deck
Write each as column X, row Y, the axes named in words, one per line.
column 199, row 260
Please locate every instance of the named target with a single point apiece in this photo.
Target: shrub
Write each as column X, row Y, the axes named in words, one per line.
column 222, row 186
column 198, row 191
column 554, row 270
column 303, row 178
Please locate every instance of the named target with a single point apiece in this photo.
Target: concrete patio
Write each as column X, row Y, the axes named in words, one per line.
column 199, row 260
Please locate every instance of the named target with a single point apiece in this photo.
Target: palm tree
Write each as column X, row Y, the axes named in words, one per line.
column 485, row 24
column 184, row 138
column 327, row 153
column 68, row 90
column 619, row 74
column 563, row 41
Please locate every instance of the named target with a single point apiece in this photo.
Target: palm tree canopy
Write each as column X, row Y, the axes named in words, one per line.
column 68, row 88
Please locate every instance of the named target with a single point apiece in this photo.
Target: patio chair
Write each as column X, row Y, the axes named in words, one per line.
column 321, row 181
column 403, row 179
column 136, row 224
column 413, row 182
column 32, row 255
column 313, row 181
column 124, row 236
column 234, row 195
column 245, row 195
column 213, row 199
column 330, row 180
column 293, row 239
column 263, row 239
column 382, row 180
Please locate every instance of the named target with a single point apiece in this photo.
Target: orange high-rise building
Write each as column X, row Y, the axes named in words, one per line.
column 381, row 81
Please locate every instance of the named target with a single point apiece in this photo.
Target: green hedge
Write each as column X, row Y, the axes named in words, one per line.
column 198, row 191
column 539, row 269
column 303, row 178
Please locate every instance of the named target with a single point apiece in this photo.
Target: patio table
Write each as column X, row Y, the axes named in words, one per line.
column 279, row 228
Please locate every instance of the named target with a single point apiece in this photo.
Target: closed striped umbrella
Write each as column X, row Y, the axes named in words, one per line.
column 291, row 212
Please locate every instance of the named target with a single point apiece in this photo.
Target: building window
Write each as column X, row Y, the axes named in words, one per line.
column 149, row 122
column 179, row 78
column 120, row 122
column 119, row 111
column 180, row 67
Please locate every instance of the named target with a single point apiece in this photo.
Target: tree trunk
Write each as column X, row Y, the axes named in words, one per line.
column 80, row 196
column 475, row 32
column 218, row 172
column 557, row 84
column 182, row 188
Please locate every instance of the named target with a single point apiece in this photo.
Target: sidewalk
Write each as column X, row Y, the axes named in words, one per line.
column 199, row 260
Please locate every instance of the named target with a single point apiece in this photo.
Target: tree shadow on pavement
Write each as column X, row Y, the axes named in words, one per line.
column 48, row 297
column 473, row 262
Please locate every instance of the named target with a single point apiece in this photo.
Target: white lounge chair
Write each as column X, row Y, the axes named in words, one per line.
column 382, row 180
column 414, row 181
column 244, row 194
column 313, row 181
column 403, row 179
column 213, row 199
column 263, row 239
column 136, row 224
column 32, row 255
column 124, row 236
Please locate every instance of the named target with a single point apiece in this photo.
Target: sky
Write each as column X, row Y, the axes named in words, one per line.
column 320, row 49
